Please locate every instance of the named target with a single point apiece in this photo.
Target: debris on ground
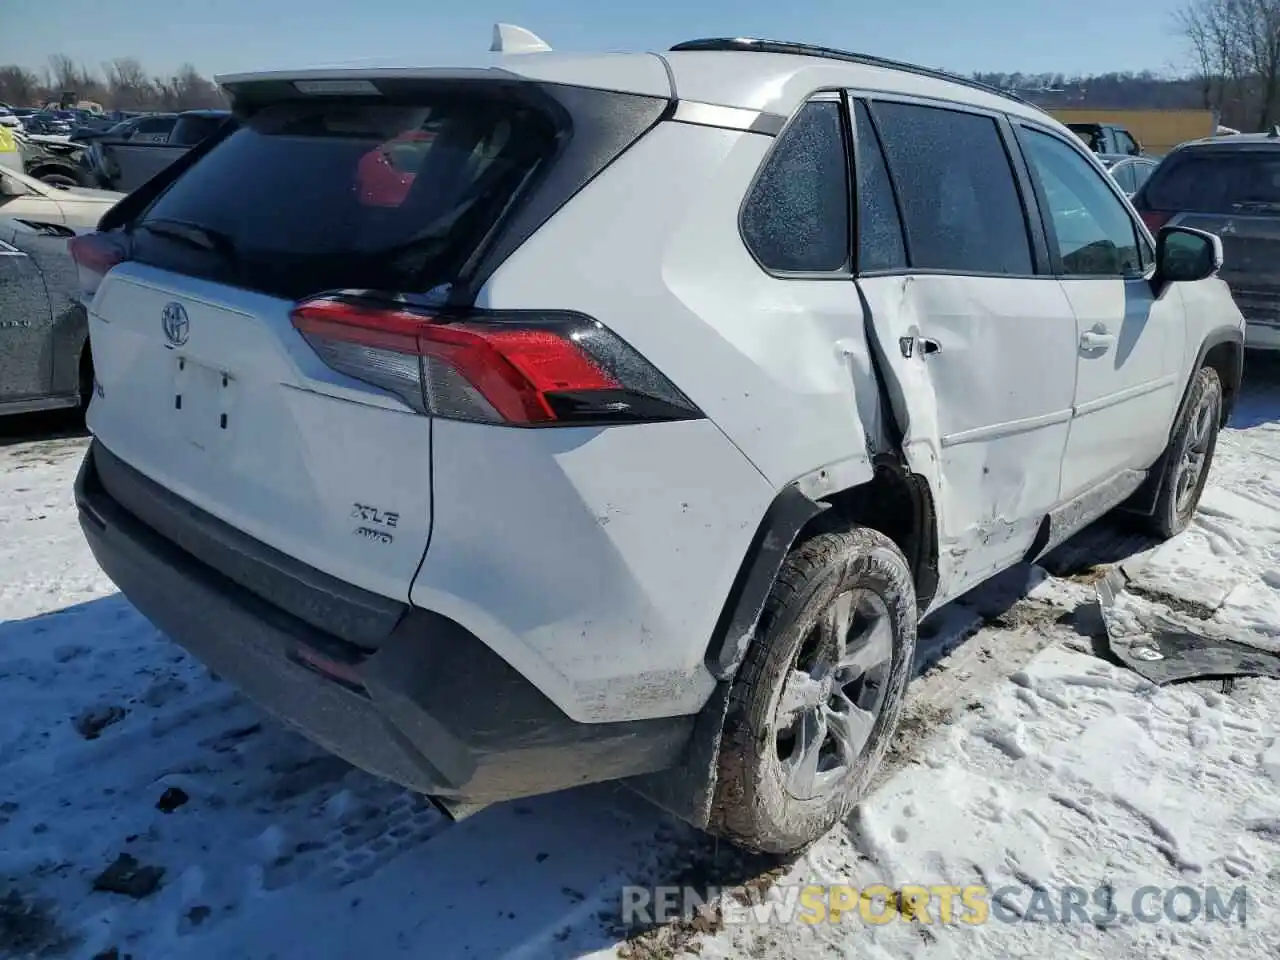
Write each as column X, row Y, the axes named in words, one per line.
column 1168, row 626
column 171, row 800
column 128, row 877
column 94, row 720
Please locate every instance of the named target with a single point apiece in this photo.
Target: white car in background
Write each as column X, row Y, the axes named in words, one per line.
column 27, row 198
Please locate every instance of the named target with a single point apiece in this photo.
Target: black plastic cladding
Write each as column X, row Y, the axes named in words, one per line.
column 749, row 44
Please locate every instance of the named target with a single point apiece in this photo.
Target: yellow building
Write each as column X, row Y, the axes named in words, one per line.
column 1159, row 131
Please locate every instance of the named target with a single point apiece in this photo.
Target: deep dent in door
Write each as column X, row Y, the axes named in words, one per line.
column 980, row 525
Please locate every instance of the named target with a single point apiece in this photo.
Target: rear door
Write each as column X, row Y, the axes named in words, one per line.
column 977, row 339
column 208, row 388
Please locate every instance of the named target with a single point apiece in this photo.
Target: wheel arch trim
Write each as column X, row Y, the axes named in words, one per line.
column 788, row 514
column 1145, row 500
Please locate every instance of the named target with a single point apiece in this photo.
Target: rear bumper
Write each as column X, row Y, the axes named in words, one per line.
column 432, row 708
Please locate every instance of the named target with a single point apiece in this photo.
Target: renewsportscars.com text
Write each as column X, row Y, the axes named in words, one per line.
column 937, row 904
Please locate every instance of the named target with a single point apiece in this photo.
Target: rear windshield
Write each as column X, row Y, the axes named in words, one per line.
column 1218, row 182
column 310, row 196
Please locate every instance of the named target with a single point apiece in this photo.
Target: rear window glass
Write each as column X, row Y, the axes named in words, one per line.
column 323, row 195
column 1218, row 183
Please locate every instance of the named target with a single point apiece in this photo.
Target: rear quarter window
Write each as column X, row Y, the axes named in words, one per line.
column 796, row 218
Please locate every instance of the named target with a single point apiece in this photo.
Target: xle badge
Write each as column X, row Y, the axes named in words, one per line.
column 384, row 519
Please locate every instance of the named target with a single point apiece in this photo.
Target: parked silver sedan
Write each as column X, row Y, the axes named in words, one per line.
column 26, row 198
column 1128, row 171
column 45, row 362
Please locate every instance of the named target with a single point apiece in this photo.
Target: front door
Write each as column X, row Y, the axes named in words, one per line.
column 1129, row 342
column 976, row 337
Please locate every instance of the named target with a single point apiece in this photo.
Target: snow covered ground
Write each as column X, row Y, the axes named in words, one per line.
column 147, row 810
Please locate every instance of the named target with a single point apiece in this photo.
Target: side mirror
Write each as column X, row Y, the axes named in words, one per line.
column 11, row 188
column 1184, row 255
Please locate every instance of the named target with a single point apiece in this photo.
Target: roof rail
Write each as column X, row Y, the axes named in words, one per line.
column 829, row 53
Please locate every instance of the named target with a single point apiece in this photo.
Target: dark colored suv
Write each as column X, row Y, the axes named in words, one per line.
column 1229, row 186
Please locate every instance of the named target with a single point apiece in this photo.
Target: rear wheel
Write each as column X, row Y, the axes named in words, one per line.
column 817, row 699
column 1188, row 457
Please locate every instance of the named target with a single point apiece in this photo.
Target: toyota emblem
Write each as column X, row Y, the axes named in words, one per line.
column 176, row 325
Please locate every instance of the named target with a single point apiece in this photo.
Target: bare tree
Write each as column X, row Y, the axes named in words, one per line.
column 123, row 84
column 188, row 89
column 1235, row 49
column 128, row 86
column 19, row 86
column 67, row 76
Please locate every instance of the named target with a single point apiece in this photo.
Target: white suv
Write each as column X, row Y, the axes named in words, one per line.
column 554, row 419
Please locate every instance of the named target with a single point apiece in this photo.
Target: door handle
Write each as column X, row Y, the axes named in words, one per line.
column 926, row 345
column 1097, row 340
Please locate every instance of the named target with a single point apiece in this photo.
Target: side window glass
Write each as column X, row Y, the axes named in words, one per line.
column 880, row 243
column 1128, row 144
column 1124, row 176
column 152, row 131
column 1140, row 173
column 1094, row 233
column 797, row 215
column 959, row 198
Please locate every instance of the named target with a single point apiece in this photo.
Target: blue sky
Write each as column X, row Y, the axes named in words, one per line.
column 231, row 35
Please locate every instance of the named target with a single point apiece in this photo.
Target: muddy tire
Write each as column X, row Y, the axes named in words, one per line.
column 1188, row 457
column 817, row 699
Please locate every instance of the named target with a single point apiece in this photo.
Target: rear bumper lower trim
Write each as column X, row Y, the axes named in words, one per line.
column 434, row 708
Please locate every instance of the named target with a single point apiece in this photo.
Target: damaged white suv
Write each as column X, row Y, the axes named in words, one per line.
column 552, row 419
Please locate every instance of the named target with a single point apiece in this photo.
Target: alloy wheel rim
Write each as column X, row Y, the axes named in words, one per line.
column 834, row 694
column 1195, row 455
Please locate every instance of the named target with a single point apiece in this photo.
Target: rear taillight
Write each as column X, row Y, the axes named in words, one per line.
column 1154, row 219
column 520, row 368
column 95, row 254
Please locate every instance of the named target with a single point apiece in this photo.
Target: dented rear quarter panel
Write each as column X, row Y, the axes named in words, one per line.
column 780, row 367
